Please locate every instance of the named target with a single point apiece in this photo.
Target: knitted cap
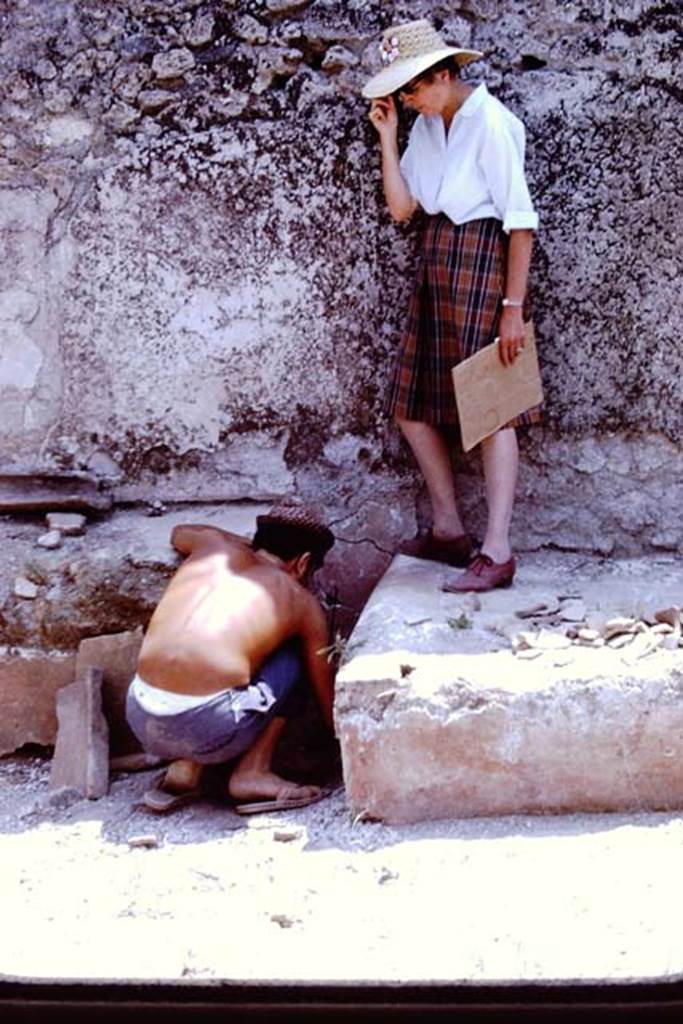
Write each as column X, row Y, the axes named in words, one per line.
column 406, row 51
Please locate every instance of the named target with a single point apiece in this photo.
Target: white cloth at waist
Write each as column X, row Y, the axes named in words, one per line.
column 257, row 696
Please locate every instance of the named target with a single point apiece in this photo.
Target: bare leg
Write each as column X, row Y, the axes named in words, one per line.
column 432, row 456
column 501, row 458
column 252, row 778
column 183, row 774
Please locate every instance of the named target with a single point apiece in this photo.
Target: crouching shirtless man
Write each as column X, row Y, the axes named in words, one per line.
column 225, row 656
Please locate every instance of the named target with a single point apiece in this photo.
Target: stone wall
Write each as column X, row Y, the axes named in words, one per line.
column 200, row 289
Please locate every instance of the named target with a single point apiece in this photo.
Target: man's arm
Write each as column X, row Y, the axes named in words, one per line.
column 315, row 637
column 186, row 537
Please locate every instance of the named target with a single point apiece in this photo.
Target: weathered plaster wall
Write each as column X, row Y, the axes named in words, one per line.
column 200, row 289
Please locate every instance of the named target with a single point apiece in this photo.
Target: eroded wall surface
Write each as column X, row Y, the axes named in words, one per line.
column 200, row 290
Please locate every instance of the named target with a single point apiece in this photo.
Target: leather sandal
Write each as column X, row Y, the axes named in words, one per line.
column 457, row 552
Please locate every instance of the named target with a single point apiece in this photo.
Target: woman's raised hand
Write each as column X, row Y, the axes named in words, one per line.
column 384, row 115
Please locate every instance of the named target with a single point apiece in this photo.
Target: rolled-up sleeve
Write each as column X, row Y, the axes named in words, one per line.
column 502, row 163
column 407, row 163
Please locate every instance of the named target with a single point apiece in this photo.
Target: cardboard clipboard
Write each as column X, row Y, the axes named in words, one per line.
column 488, row 395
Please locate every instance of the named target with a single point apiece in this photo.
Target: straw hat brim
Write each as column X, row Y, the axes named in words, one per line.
column 391, row 78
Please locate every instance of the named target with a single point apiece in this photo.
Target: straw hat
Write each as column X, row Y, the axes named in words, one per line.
column 406, row 51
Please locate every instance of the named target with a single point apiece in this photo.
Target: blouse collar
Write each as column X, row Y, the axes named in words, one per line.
column 473, row 101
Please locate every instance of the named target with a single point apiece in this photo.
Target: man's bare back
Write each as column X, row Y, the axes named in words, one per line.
column 225, row 611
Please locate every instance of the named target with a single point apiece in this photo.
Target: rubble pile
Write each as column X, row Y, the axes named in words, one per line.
column 569, row 623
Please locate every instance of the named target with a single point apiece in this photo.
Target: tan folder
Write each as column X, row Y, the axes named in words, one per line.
column 488, row 395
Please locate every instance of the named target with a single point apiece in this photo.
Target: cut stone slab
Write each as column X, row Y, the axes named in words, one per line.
column 29, row 683
column 81, row 758
column 35, row 492
column 440, row 721
column 116, row 655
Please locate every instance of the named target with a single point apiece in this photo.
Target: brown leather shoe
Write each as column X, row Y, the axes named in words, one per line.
column 457, row 552
column 483, row 574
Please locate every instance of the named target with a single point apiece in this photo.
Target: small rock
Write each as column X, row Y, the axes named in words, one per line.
column 671, row 616
column 156, row 508
column 24, row 588
column 45, row 69
column 145, row 842
column 200, row 31
column 620, row 624
column 71, row 524
column 572, row 611
column 173, row 64
column 121, row 116
column 250, row 30
column 662, row 627
column 338, row 58
column 532, row 611
column 545, row 640
column 620, row 640
column 287, row 835
column 151, row 101
column 50, row 540
column 589, row 638
column 127, row 81
column 386, row 875
column 282, row 6
column 284, row 920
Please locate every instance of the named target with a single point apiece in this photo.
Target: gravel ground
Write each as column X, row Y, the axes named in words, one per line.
column 314, row 896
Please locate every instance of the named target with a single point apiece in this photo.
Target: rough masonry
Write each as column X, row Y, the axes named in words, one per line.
column 200, row 290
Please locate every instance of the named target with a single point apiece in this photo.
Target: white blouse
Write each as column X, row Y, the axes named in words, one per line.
column 477, row 170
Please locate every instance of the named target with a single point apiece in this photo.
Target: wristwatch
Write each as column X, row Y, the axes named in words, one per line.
column 513, row 302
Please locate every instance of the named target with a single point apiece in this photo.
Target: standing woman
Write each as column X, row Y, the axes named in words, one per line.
column 464, row 166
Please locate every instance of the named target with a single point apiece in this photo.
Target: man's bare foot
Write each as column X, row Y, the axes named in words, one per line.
column 181, row 775
column 253, row 785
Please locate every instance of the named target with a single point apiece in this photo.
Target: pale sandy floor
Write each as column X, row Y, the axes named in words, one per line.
column 311, row 895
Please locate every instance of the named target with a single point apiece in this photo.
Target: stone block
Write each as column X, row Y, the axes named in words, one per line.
column 29, row 683
column 69, row 523
column 81, row 758
column 439, row 716
column 116, row 655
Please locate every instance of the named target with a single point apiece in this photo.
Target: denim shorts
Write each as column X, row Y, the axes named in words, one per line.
column 221, row 728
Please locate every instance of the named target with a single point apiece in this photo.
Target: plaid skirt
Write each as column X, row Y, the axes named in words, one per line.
column 454, row 311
